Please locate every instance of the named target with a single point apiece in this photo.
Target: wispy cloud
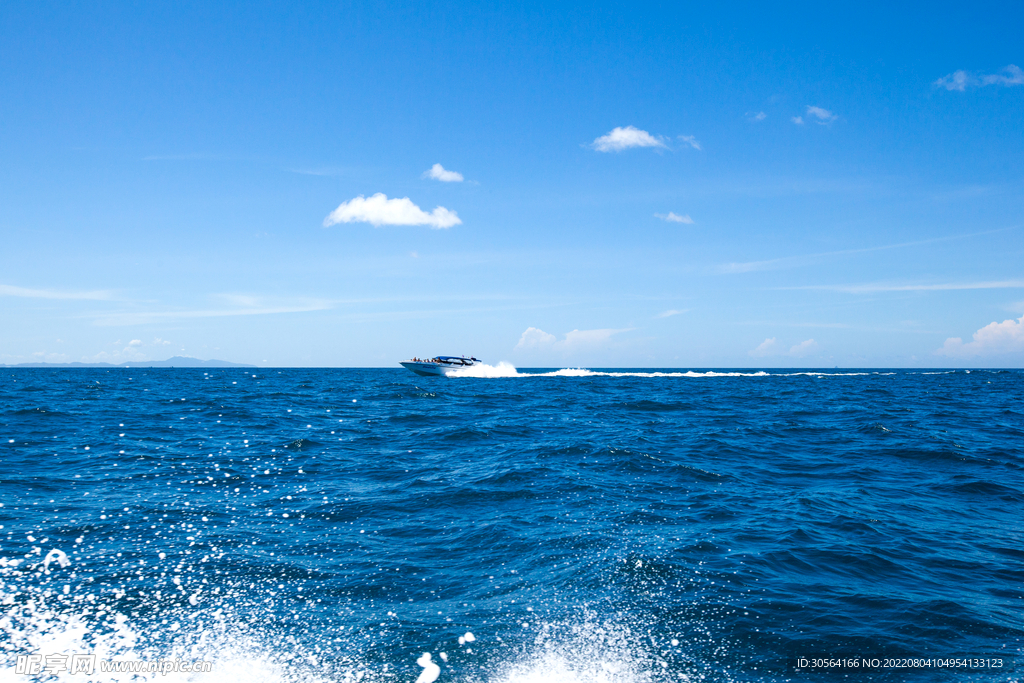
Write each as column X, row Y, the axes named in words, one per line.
column 798, row 120
column 960, row 80
column 819, row 115
column 671, row 312
column 877, row 287
column 672, row 217
column 691, row 141
column 625, row 138
column 807, row 259
column 378, row 210
column 234, row 305
column 438, row 172
column 193, row 156
column 994, row 339
column 756, row 116
column 25, row 292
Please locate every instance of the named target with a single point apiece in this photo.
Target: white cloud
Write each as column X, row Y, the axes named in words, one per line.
column 379, row 210
column 807, row 259
column 534, row 337
column 759, row 116
column 960, row 80
column 691, row 141
column 135, row 342
column 954, row 81
column 8, row 290
column 273, row 307
column 624, row 138
column 1014, row 76
column 158, row 340
column 770, row 347
column 766, row 348
column 438, row 172
column 942, row 287
column 823, row 116
column 798, row 120
column 672, row 217
column 537, row 338
column 993, row 339
column 669, row 313
column 588, row 337
column 804, row 348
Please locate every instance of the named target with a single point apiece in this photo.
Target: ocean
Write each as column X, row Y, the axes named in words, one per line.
column 562, row 526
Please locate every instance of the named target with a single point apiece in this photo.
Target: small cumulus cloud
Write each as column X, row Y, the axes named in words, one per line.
column 960, row 80
column 625, row 138
column 672, row 217
column 378, row 210
column 955, row 81
column 162, row 342
column 804, row 348
column 821, row 116
column 534, row 337
column 798, row 120
column 135, row 342
column 588, row 337
column 992, row 340
column 691, row 141
column 756, row 116
column 766, row 348
column 771, row 347
column 439, row 172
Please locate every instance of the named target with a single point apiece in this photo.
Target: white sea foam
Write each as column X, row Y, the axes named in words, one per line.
column 430, row 670
column 592, row 651
column 484, row 370
column 504, row 370
column 49, row 610
column 43, row 619
column 58, row 556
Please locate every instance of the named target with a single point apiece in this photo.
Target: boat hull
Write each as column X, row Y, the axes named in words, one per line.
column 427, row 369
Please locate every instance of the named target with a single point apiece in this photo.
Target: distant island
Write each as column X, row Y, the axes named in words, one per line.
column 174, row 362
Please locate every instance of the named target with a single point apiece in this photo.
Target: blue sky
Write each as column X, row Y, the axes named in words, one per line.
column 659, row 185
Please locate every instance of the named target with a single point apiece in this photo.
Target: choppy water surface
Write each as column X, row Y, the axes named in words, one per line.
column 570, row 526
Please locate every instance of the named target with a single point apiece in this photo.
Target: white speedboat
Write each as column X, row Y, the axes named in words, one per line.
column 439, row 366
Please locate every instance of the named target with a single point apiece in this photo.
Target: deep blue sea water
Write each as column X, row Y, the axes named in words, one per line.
column 646, row 526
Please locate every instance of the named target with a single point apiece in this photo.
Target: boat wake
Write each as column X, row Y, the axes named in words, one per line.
column 504, row 370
